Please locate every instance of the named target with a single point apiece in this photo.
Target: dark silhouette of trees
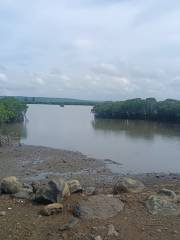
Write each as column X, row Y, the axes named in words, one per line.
column 142, row 109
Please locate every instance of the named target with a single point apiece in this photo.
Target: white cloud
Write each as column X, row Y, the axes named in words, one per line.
column 40, row 81
column 90, row 49
column 3, row 77
column 84, row 44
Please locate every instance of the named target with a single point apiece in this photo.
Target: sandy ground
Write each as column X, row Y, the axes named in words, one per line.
column 23, row 221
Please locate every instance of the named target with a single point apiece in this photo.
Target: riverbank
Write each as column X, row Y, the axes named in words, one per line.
column 31, row 163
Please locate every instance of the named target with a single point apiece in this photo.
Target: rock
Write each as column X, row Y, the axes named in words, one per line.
column 100, row 207
column 25, row 193
column 74, row 186
column 27, row 186
column 2, row 213
column 35, row 185
column 44, row 194
column 76, row 210
column 52, row 209
column 53, row 191
column 112, row 231
column 90, row 191
column 169, row 193
column 162, row 204
column 10, row 185
column 128, row 185
column 61, row 187
column 72, row 223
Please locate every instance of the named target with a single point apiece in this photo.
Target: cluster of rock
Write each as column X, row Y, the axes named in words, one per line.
column 53, row 192
column 165, row 202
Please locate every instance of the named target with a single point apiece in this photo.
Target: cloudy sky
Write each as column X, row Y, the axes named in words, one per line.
column 90, row 49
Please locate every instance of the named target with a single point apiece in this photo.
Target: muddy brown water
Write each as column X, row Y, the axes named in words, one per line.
column 138, row 145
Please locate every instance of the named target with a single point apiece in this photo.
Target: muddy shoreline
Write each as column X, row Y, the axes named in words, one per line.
column 22, row 220
column 36, row 162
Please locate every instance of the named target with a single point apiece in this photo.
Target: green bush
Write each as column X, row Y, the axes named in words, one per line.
column 11, row 110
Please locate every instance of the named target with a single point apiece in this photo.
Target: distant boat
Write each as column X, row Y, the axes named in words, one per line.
column 61, row 105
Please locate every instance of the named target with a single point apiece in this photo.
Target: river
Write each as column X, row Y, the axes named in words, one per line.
column 137, row 146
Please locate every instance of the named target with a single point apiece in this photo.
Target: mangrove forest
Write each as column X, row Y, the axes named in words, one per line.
column 140, row 109
column 55, row 101
column 11, row 110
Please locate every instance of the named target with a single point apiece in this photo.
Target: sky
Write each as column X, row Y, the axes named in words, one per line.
column 90, row 49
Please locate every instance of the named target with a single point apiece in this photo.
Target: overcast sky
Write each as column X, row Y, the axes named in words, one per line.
column 90, row 49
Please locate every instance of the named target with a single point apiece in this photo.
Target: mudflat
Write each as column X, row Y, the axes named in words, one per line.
column 21, row 219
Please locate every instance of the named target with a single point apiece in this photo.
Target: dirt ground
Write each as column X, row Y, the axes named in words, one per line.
column 23, row 221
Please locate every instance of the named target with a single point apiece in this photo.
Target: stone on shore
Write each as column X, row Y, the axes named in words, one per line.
column 90, row 191
column 128, row 185
column 51, row 209
column 25, row 193
column 100, row 207
column 169, row 193
column 53, row 191
column 74, row 186
column 10, row 185
column 164, row 203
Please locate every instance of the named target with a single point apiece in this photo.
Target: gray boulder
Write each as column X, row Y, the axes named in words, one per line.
column 25, row 193
column 164, row 203
column 100, row 207
column 128, row 185
column 51, row 192
column 11, row 185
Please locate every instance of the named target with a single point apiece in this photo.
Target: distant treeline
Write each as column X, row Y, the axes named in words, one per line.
column 142, row 109
column 55, row 101
column 11, row 110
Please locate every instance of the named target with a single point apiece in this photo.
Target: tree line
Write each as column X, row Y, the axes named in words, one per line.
column 11, row 110
column 142, row 109
column 55, row 101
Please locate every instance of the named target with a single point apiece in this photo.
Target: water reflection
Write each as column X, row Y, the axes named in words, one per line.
column 17, row 130
column 137, row 129
column 140, row 146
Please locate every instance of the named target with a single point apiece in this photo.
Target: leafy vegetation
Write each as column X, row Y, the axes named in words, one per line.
column 142, row 109
column 11, row 110
column 55, row 101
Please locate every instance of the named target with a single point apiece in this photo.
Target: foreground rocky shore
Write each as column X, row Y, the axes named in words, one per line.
column 55, row 194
